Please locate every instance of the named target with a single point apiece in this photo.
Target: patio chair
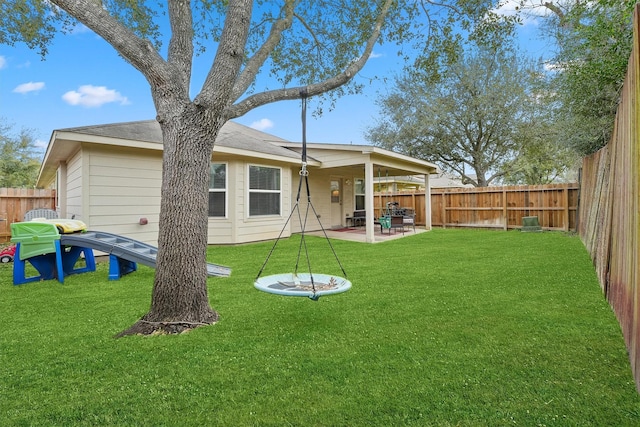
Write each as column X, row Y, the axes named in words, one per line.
column 409, row 218
column 359, row 217
column 40, row 213
column 397, row 221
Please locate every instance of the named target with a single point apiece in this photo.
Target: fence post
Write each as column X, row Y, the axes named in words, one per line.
column 505, row 212
column 565, row 200
column 444, row 209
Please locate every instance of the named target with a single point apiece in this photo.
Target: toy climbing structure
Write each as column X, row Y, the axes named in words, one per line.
column 56, row 255
column 39, row 244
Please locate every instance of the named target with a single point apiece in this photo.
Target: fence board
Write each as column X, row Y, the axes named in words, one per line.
column 609, row 221
column 555, row 205
column 15, row 202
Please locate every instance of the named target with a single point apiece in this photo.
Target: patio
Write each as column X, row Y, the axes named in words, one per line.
column 357, row 234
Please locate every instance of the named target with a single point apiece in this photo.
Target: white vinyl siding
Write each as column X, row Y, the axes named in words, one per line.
column 124, row 188
column 74, row 179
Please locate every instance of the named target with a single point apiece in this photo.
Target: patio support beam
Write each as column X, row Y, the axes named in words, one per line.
column 368, row 201
column 427, row 202
column 61, row 190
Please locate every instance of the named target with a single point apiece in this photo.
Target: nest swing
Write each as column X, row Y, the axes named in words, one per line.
column 311, row 285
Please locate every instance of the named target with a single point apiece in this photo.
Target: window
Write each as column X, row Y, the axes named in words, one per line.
column 335, row 191
column 218, row 190
column 359, row 190
column 264, row 191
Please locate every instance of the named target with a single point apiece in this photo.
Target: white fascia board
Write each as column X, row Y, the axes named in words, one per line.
column 255, row 154
column 105, row 140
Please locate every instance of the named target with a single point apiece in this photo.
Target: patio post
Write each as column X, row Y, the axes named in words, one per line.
column 61, row 192
column 427, row 202
column 368, row 202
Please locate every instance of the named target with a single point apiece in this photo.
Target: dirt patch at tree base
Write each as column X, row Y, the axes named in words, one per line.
column 146, row 328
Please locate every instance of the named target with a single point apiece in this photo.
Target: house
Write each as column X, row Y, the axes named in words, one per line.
column 395, row 184
column 448, row 180
column 109, row 177
column 415, row 183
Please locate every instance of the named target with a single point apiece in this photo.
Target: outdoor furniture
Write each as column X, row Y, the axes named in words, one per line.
column 395, row 222
column 359, row 218
column 383, row 222
column 409, row 218
column 41, row 213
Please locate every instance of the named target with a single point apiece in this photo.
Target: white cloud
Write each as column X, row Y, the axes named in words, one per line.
column 3, row 62
column 529, row 10
column 29, row 87
column 94, row 96
column 262, row 124
column 375, row 55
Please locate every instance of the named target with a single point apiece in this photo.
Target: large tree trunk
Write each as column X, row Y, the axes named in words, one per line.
column 180, row 301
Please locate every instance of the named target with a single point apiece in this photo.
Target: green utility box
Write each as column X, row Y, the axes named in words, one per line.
column 35, row 238
column 530, row 223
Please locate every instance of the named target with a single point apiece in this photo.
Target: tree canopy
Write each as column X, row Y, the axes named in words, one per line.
column 474, row 119
column 19, row 158
column 594, row 41
column 570, row 112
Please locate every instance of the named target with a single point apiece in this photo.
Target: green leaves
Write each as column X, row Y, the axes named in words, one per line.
column 594, row 47
column 471, row 119
column 29, row 21
column 19, row 159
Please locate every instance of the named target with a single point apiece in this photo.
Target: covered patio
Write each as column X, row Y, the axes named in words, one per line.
column 353, row 170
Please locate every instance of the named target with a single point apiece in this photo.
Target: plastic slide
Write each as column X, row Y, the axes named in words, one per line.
column 127, row 249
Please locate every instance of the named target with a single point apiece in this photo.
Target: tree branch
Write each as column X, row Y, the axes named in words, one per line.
column 180, row 53
column 138, row 52
column 254, row 63
column 219, row 84
column 268, row 97
column 555, row 9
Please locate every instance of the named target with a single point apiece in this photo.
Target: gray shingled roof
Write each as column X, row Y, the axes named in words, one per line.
column 232, row 135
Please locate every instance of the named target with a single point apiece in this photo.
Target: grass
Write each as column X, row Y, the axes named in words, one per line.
column 447, row 328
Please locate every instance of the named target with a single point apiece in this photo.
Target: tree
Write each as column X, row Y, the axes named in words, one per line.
column 469, row 119
column 19, row 158
column 594, row 41
column 312, row 47
column 542, row 161
column 544, row 156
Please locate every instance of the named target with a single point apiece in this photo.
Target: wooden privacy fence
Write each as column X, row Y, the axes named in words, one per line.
column 15, row 202
column 555, row 205
column 610, row 210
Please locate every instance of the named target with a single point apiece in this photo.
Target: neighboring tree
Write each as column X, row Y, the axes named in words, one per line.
column 311, row 47
column 543, row 156
column 541, row 161
column 472, row 119
column 594, row 41
column 19, row 158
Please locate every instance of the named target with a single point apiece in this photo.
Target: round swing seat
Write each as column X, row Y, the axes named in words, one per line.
column 300, row 285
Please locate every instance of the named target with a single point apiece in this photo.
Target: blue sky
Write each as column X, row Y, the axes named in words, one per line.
column 82, row 81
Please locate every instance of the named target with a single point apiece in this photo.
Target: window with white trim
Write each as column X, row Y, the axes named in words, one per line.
column 264, row 190
column 359, row 190
column 218, row 190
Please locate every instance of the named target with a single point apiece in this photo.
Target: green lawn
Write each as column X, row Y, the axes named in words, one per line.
column 451, row 327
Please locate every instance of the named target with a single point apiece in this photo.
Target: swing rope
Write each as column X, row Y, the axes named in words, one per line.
column 304, row 175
